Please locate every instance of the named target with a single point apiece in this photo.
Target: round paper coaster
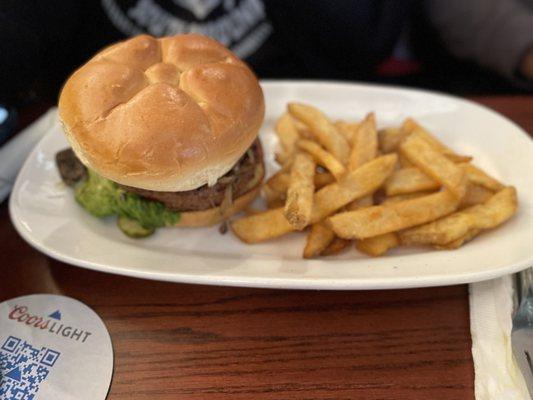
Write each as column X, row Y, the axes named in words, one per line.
column 53, row 347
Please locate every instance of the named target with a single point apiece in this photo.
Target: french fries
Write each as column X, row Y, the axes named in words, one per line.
column 377, row 220
column 318, row 239
column 300, row 192
column 287, row 133
column 364, row 143
column 475, row 194
column 335, row 247
column 378, row 245
column 346, row 129
column 356, row 184
column 409, row 180
column 346, row 182
column 322, row 129
column 322, row 157
column 263, row 226
column 481, row 178
column 434, row 164
column 495, row 211
column 353, row 186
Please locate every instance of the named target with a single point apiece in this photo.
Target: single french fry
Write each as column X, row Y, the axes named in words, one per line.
column 390, row 139
column 322, row 157
column 259, row 227
column 411, row 126
column 364, row 149
column 287, row 133
column 404, row 162
column 481, row 178
column 378, row 245
column 402, row 197
column 318, row 239
column 300, row 192
column 409, row 180
column 475, row 194
column 354, row 185
column 455, row 244
column 347, row 129
column 279, row 181
column 495, row 211
column 364, row 144
column 434, row 164
column 323, row 179
column 366, row 201
column 322, row 129
column 336, row 246
column 377, row 220
column 273, row 198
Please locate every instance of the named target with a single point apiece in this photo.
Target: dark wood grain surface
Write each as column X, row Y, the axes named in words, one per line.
column 176, row 341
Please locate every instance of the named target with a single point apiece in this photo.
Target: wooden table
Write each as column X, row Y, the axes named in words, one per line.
column 176, row 341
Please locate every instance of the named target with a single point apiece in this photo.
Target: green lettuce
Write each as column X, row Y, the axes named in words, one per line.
column 102, row 197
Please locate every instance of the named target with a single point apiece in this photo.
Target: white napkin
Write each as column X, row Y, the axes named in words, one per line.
column 14, row 152
column 497, row 376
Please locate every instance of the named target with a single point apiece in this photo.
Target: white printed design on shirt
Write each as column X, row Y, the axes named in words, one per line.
column 242, row 26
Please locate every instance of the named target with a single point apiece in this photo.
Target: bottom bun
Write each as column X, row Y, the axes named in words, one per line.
column 213, row 216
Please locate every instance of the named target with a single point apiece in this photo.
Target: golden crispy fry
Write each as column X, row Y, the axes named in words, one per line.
column 475, row 194
column 336, row 246
column 322, row 157
column 353, row 186
column 481, row 178
column 279, row 181
column 287, row 133
column 263, row 226
column 495, row 211
column 378, row 245
column 366, row 201
column 300, row 192
column 434, row 164
column 281, row 157
column 303, row 129
column 274, row 198
column 322, row 129
column 318, row 239
column 323, row 179
column 377, row 220
column 457, row 158
column 364, row 144
column 249, row 210
column 404, row 162
column 356, row 184
column 411, row 126
column 390, row 139
column 347, row 129
column 455, row 244
column 402, row 197
column 409, row 180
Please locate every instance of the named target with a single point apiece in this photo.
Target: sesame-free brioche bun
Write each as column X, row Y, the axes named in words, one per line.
column 169, row 114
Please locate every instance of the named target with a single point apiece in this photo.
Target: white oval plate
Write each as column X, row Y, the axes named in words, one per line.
column 44, row 212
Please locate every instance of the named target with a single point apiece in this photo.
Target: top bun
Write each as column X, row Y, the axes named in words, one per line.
column 169, row 114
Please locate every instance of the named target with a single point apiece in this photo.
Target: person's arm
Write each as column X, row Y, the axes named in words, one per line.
column 497, row 34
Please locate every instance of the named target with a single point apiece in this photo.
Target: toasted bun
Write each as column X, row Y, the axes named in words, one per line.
column 216, row 215
column 168, row 114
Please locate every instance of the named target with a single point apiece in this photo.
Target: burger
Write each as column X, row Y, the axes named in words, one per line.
column 163, row 133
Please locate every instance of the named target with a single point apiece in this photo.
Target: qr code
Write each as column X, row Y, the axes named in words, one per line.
column 23, row 368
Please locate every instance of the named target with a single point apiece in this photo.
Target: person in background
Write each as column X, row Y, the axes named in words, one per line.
column 462, row 46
